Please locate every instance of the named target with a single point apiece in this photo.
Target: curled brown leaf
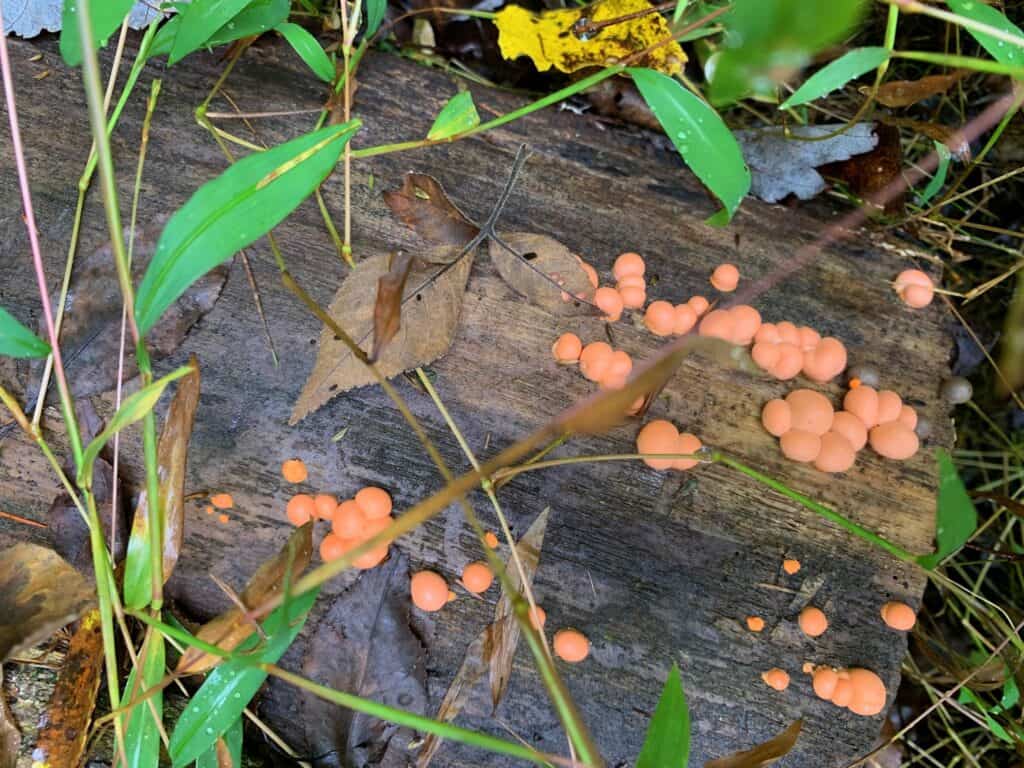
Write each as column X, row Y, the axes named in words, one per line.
column 903, row 93
column 423, row 206
column 763, row 754
column 387, row 309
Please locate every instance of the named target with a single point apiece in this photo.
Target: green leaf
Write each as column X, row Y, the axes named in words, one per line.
column 230, row 212
column 936, row 182
column 667, row 744
column 18, row 341
column 106, row 16
column 199, row 21
column 836, row 74
column 704, row 141
column 229, row 688
column 142, row 739
column 233, row 741
column 131, row 410
column 458, row 115
column 1011, row 693
column 1000, row 50
column 955, row 518
column 766, row 41
column 258, row 17
column 678, row 11
column 375, row 10
column 308, row 49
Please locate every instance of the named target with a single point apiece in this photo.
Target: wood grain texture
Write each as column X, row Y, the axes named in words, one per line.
column 654, row 567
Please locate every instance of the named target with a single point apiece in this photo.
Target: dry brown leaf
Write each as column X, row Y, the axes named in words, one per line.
column 228, row 630
column 495, row 647
column 64, row 727
column 387, row 309
column 549, row 274
column 422, row 205
column 10, row 735
column 39, row 593
column 934, row 131
column 431, row 316
column 762, row 754
column 903, row 93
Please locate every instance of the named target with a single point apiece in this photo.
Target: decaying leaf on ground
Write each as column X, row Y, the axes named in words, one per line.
column 763, row 754
column 362, row 644
column 945, row 134
column 869, row 174
column 548, row 274
column 423, row 206
column 494, row 649
column 172, row 458
column 387, row 308
column 39, row 593
column 64, row 726
column 10, row 735
column 232, row 627
column 903, row 93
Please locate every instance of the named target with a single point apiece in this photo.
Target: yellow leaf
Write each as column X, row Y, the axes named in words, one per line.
column 551, row 39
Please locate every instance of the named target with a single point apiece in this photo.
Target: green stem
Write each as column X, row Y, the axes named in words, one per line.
column 913, row 6
column 966, row 62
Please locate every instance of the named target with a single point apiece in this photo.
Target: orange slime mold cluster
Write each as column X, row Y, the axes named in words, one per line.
column 353, row 522
column 859, row 690
column 660, row 436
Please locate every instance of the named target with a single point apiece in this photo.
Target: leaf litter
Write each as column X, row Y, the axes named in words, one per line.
column 763, row 754
column 543, row 270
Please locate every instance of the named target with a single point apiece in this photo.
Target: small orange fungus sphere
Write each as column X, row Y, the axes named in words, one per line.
column 633, row 297
column 862, row 402
column 349, row 520
column 776, row 417
column 868, row 697
column 791, row 565
column 222, row 500
column 685, row 319
column 628, row 265
column 766, row 354
column 658, row 436
column 809, row 338
column 477, row 577
column 825, row 361
column 812, row 621
column 755, row 623
column 222, row 518
column 325, row 505
column 571, row 645
column 825, row 681
column 725, row 278
column 907, row 417
column 609, row 301
column 889, row 406
column 790, row 361
column 567, row 348
column 300, row 509
column 595, row 359
column 746, row 322
column 915, row 288
column 894, row 441
column 899, row 616
column 375, row 502
column 537, row 617
column 451, row 596
column 789, row 334
column 717, row 324
column 849, row 426
column 810, row 411
column 660, row 318
column 372, row 558
column 491, row 540
column 429, row 591
column 621, row 363
column 768, row 333
column 334, row 546
column 798, row 445
column 699, row 304
column 294, row 471
column 836, row 455
column 843, row 693
column 687, row 443
column 777, row 679
column 209, row 510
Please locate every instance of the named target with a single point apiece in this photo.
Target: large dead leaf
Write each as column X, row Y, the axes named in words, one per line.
column 494, row 648
column 67, row 531
column 228, row 630
column 549, row 274
column 39, row 593
column 572, row 39
column 387, row 309
column 363, row 645
column 10, row 735
column 172, row 457
column 91, row 332
column 430, row 318
column 422, row 205
column 64, row 727
column 763, row 754
column 903, row 93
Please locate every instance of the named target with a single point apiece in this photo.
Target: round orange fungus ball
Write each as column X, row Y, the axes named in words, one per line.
column 791, row 565
column 658, row 436
column 824, row 682
column 491, row 540
column 868, row 697
column 325, row 505
column 699, row 304
column 755, row 623
column 849, row 426
column 718, row 324
column 294, row 471
column 537, row 617
column 725, row 278
column 812, row 621
column 571, row 645
column 349, row 520
column 798, row 445
column 628, row 265
column 899, row 616
column 810, row 411
column 301, row 509
column 685, row 319
column 477, row 577
column 375, row 502
column 609, row 301
column 595, row 359
column 776, row 678
column 915, row 288
column 222, row 501
column 660, row 318
column 567, row 348
column 334, row 546
column 429, row 591
column 836, row 454
column 894, row 440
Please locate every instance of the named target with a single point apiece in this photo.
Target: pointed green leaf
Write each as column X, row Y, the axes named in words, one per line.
column 200, row 19
column 1000, row 50
column 704, row 141
column 836, row 74
column 936, row 182
column 141, row 738
column 18, row 341
column 258, row 17
column 458, row 115
column 229, row 688
column 232, row 741
column 667, row 744
column 131, row 410
column 230, row 212
column 677, row 12
column 375, row 10
column 1011, row 693
column 309, row 50
column 955, row 518
column 106, row 16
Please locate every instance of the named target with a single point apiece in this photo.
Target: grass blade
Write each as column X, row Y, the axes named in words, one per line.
column 309, row 50
column 936, row 182
column 956, row 519
column 142, row 739
column 667, row 744
column 106, row 17
column 1000, row 50
column 836, row 74
column 375, row 10
column 258, row 17
column 18, row 341
column 458, row 115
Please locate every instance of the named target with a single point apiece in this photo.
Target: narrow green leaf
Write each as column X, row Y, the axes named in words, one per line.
column 667, row 744
column 18, row 341
column 142, row 739
column 955, row 518
column 1011, row 693
column 226, row 214
column 199, row 21
column 703, row 140
column 836, row 74
column 105, row 15
column 258, row 17
column 131, row 410
column 1000, row 50
column 309, row 50
column 458, row 115
column 218, row 704
column 936, row 182
column 233, row 741
column 375, row 10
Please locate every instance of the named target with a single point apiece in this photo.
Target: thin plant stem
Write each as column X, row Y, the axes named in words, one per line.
column 967, row 62
column 913, row 6
column 346, row 52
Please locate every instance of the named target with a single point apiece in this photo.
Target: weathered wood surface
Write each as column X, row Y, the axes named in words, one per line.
column 654, row 567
